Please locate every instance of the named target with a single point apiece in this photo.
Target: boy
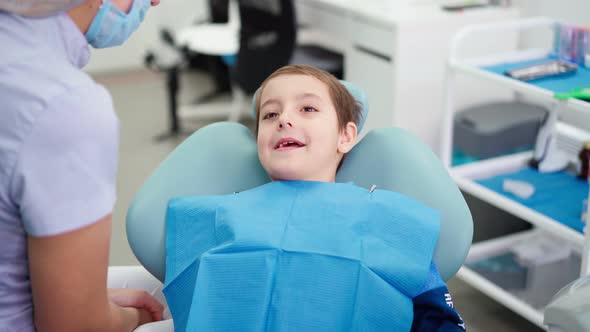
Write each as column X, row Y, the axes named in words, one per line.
column 306, row 123
column 303, row 253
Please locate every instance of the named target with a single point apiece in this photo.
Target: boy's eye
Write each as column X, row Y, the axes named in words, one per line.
column 270, row 115
column 309, row 109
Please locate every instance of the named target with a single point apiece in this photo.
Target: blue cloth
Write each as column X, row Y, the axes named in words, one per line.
column 434, row 312
column 301, row 256
column 433, row 279
column 557, row 195
column 433, row 307
column 58, row 148
column 556, row 84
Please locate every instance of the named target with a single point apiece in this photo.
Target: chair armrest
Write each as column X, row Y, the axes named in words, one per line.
column 138, row 277
column 162, row 326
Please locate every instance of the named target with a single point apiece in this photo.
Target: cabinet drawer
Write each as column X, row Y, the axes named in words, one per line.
column 373, row 36
column 321, row 16
column 376, row 77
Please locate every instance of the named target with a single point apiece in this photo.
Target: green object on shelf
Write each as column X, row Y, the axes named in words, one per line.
column 581, row 93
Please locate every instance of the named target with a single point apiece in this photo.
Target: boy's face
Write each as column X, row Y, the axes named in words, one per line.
column 298, row 134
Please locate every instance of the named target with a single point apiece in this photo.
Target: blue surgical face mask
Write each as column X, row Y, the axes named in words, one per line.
column 111, row 27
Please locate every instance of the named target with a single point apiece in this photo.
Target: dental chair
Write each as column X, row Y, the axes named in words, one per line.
column 222, row 158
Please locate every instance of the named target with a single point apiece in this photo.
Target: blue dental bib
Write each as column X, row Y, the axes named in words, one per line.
column 297, row 256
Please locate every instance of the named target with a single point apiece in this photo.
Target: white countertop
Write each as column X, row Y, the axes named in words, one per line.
column 391, row 11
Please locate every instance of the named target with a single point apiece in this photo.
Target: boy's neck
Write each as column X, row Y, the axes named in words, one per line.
column 312, row 179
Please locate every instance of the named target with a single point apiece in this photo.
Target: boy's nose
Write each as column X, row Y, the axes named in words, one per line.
column 285, row 124
column 284, row 121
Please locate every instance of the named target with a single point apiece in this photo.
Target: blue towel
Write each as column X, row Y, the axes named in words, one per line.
column 557, row 195
column 297, row 256
column 567, row 83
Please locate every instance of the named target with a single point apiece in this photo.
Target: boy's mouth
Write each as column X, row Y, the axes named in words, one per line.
column 288, row 143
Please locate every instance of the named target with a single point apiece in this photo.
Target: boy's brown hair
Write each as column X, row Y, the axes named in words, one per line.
column 347, row 108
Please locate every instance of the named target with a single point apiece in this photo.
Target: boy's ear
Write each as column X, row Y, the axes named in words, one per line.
column 347, row 138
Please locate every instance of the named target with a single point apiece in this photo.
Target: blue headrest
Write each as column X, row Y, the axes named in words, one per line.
column 210, row 163
column 359, row 95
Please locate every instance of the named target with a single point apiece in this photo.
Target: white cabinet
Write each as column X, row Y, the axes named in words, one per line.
column 467, row 176
column 396, row 52
column 376, row 79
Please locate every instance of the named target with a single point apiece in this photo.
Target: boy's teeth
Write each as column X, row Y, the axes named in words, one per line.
column 287, row 144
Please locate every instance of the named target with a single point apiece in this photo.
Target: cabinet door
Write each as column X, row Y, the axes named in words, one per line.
column 373, row 72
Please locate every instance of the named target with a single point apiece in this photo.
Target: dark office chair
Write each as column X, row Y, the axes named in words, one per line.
column 268, row 41
column 268, row 36
column 172, row 58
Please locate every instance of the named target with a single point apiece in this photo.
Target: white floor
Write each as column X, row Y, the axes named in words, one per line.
column 141, row 104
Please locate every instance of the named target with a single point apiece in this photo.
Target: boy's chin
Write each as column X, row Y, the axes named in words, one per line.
column 286, row 175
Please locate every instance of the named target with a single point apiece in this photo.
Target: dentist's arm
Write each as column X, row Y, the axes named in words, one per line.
column 64, row 185
column 68, row 279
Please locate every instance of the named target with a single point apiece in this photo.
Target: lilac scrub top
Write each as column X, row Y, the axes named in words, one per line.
column 58, row 148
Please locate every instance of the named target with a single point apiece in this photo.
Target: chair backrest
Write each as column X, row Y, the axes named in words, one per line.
column 267, row 39
column 222, row 158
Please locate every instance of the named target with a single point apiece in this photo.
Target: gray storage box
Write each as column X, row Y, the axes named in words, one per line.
column 497, row 128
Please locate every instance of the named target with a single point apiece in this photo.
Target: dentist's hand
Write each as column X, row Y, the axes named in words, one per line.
column 139, row 299
column 71, row 269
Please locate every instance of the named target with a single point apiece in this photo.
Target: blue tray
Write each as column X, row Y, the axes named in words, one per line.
column 557, row 195
column 580, row 79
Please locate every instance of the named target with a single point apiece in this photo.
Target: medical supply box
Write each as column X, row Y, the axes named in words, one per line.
column 497, row 128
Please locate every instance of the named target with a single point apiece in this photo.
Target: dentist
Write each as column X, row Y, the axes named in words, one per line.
column 58, row 164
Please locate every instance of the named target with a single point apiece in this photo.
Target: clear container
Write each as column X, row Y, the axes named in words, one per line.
column 565, row 42
column 534, row 284
column 572, row 43
column 582, row 48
